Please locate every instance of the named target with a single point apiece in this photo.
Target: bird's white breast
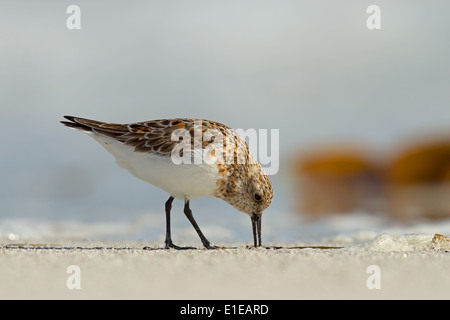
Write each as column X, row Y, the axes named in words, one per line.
column 183, row 181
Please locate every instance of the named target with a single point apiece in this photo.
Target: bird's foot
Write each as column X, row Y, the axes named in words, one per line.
column 169, row 244
column 208, row 246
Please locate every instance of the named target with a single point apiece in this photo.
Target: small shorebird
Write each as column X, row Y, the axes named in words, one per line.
column 211, row 160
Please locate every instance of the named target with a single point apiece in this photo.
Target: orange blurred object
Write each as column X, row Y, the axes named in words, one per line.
column 418, row 182
column 429, row 163
column 335, row 179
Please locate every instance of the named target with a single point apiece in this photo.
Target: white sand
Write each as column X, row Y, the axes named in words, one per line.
column 411, row 267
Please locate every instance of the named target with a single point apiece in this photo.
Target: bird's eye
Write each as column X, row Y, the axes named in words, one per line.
column 257, row 197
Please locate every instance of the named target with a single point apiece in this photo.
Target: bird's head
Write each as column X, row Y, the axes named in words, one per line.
column 249, row 190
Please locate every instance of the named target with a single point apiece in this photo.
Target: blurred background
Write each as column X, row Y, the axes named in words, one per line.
column 363, row 114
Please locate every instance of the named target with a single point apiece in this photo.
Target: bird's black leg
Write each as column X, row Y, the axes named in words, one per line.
column 168, row 235
column 188, row 213
column 168, row 241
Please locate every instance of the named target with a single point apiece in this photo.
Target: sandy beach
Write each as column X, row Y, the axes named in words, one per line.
column 409, row 267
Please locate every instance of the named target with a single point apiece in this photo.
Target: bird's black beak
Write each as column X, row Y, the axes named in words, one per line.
column 256, row 226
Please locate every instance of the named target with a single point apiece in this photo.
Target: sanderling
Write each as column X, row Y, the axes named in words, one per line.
column 215, row 161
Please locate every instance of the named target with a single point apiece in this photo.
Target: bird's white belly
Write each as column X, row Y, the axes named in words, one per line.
column 183, row 181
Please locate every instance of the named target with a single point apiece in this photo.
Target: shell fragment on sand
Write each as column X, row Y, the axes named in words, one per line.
column 440, row 242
